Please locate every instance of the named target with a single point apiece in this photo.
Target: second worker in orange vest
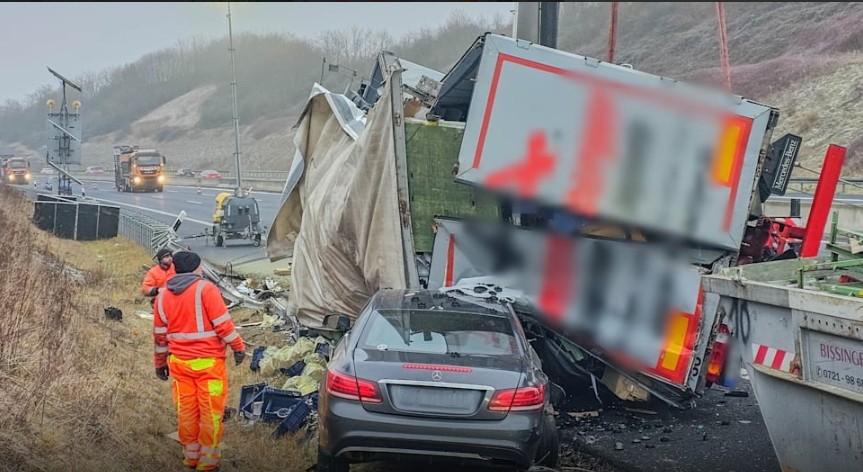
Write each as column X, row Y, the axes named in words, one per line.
column 192, row 323
column 159, row 274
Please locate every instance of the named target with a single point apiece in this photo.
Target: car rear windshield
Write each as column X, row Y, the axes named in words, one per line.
column 442, row 332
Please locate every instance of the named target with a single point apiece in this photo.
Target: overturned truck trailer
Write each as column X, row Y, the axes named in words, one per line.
column 599, row 193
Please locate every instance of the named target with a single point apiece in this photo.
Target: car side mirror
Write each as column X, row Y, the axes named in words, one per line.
column 337, row 322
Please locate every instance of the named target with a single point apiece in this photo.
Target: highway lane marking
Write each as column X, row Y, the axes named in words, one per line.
column 196, row 203
column 205, row 223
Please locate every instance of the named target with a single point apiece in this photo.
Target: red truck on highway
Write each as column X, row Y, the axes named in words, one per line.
column 15, row 170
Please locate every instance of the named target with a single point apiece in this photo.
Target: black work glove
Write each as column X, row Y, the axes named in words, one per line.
column 239, row 357
column 162, row 372
column 154, row 291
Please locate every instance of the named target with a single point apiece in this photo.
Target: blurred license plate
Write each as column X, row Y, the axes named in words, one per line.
column 440, row 400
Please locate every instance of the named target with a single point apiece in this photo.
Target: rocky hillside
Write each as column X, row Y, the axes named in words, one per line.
column 803, row 58
column 266, row 144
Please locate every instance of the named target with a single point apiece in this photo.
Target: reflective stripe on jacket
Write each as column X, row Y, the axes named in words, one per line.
column 194, row 323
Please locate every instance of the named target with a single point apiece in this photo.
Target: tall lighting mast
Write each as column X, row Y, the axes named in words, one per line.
column 237, row 151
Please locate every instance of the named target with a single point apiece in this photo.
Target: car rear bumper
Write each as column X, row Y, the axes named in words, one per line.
column 348, row 430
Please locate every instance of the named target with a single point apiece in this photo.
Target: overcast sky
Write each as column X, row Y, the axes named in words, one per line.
column 76, row 38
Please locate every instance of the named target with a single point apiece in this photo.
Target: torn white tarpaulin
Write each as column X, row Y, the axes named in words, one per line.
column 340, row 221
column 287, row 220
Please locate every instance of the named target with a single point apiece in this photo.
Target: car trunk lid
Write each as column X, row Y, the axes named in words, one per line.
column 438, row 385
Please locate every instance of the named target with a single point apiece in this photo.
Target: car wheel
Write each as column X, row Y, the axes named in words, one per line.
column 328, row 463
column 548, row 452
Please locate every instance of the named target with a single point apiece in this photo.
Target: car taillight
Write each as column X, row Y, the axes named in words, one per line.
column 518, row 399
column 351, row 388
column 718, row 355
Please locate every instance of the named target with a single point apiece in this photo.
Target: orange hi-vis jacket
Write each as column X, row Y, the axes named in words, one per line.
column 193, row 323
column 156, row 277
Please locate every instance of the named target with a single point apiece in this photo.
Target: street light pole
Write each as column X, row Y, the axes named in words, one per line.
column 237, row 151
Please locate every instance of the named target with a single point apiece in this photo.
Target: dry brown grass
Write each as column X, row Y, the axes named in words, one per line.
column 78, row 390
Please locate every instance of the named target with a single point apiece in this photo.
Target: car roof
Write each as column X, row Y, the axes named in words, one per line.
column 433, row 300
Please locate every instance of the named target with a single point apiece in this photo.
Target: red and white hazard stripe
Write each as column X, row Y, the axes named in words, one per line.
column 772, row 357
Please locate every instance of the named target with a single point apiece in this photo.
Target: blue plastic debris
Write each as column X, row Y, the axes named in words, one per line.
column 257, row 356
column 278, row 403
column 248, row 395
column 295, row 369
column 293, row 420
column 313, row 399
column 271, row 398
column 323, row 349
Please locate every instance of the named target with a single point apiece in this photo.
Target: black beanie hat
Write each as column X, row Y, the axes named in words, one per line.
column 162, row 253
column 185, row 261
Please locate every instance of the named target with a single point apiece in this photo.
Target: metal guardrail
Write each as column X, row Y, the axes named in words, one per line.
column 262, row 181
column 266, row 175
column 150, row 233
column 153, row 235
column 843, row 186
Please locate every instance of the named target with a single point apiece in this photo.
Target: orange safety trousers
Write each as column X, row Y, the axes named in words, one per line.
column 200, row 391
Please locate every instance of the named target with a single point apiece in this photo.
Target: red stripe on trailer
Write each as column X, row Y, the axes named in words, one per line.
column 773, row 358
column 762, row 352
column 777, row 359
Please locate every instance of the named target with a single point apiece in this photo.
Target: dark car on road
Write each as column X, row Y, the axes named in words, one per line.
column 427, row 374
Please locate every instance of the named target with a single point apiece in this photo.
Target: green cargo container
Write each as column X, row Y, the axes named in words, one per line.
column 432, row 160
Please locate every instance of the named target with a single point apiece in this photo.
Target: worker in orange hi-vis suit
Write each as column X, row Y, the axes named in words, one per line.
column 159, row 274
column 192, row 323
